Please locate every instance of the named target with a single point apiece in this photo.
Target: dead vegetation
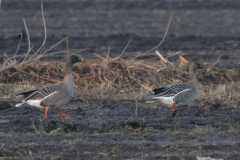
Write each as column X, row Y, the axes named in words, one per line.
column 121, row 74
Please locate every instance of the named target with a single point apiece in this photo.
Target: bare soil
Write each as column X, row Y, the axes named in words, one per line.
column 120, row 129
column 108, row 127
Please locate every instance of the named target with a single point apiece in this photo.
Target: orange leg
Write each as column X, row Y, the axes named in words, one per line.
column 46, row 111
column 64, row 116
column 175, row 110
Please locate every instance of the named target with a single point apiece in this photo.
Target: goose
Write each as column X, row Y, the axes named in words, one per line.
column 54, row 95
column 178, row 94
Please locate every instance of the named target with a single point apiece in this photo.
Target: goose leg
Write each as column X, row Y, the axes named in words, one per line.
column 175, row 110
column 46, row 112
column 64, row 116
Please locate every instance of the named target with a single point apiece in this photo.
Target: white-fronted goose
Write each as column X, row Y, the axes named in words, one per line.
column 178, row 94
column 54, row 95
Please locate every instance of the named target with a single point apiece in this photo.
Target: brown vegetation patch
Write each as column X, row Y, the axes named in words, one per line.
column 120, row 74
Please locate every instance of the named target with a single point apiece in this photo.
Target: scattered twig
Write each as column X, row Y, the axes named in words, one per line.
column 169, row 22
column 45, row 28
column 217, row 61
column 161, row 57
column 123, row 50
column 29, row 43
column 14, row 57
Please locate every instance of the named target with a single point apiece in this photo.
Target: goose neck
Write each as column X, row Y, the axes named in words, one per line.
column 68, row 73
column 192, row 77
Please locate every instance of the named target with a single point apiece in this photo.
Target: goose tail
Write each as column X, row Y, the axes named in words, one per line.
column 151, row 100
column 19, row 104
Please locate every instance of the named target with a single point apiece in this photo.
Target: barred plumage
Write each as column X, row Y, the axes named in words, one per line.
column 178, row 94
column 171, row 90
column 43, row 92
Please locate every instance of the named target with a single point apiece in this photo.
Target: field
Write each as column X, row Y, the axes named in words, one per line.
column 118, row 40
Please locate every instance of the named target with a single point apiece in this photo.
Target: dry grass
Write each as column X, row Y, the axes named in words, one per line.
column 218, row 96
column 127, row 75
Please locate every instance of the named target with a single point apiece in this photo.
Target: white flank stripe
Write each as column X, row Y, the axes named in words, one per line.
column 34, row 103
column 48, row 95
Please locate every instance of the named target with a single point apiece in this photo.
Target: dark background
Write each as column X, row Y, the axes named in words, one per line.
column 202, row 29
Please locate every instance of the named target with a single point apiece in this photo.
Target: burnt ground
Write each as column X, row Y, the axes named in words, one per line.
column 108, row 128
column 202, row 29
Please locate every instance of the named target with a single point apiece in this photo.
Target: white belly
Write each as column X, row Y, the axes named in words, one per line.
column 166, row 101
column 34, row 103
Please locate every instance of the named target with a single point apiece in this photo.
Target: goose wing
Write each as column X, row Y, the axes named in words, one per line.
column 172, row 89
column 182, row 96
column 186, row 96
column 43, row 92
column 28, row 93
